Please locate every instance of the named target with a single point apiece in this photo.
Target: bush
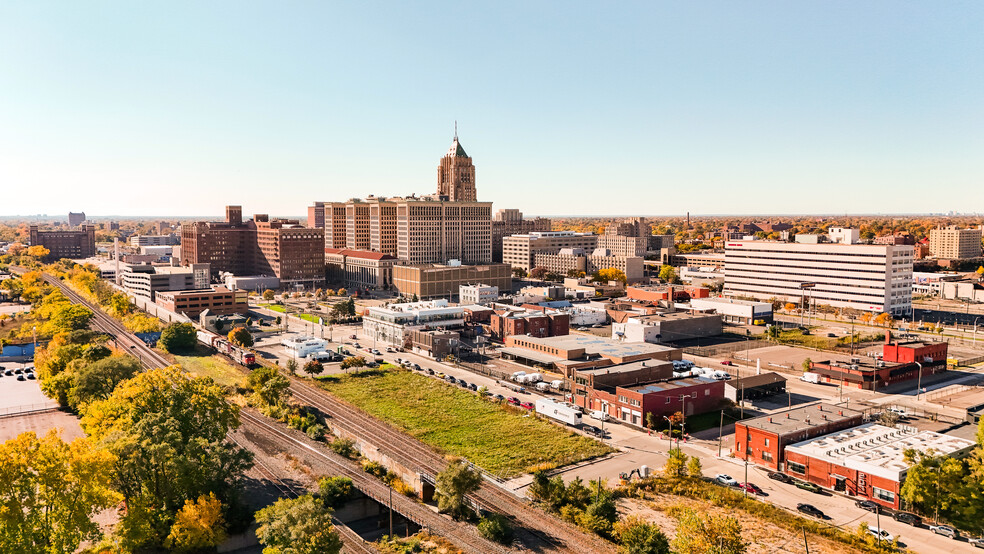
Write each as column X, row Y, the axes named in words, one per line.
column 496, row 528
column 334, row 491
column 375, row 469
column 316, row 431
column 344, row 447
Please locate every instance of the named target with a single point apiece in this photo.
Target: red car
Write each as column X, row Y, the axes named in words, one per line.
column 513, row 400
column 726, row 362
column 751, row 487
column 526, row 405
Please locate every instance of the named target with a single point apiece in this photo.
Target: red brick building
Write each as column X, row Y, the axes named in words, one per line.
column 75, row 245
column 657, row 293
column 762, row 440
column 219, row 301
column 535, row 323
column 867, row 461
column 900, row 361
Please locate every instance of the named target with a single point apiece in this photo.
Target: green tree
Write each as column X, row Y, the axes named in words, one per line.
column 177, row 337
column 169, row 433
column 314, row 367
column 292, row 366
column 353, row 361
column 50, row 490
column 668, row 274
column 334, row 492
column 454, row 483
column 96, row 380
column 807, row 364
column 198, row 526
column 297, row 526
column 241, row 337
column 637, row 536
column 519, row 273
column 269, row 387
column 675, row 463
column 694, row 468
column 576, row 494
column 119, row 305
column 69, row 317
column 701, row 533
column 496, row 528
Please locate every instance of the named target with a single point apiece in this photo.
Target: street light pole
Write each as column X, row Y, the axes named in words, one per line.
column 919, row 381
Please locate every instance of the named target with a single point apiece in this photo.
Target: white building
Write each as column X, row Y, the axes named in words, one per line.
column 146, row 280
column 477, row 294
column 582, row 315
column 874, row 278
column 151, row 240
column 732, row 310
column 931, row 283
column 250, row 282
column 301, row 346
column 843, row 235
column 390, row 324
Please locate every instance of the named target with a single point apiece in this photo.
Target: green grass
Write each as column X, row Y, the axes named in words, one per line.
column 274, row 307
column 214, row 366
column 280, row 308
column 494, row 437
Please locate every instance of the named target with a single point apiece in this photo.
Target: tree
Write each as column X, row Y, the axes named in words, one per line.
column 292, row 366
column 789, row 307
column 651, row 420
column 177, row 337
column 701, row 533
column 807, row 364
column 219, row 324
column 169, row 434
column 456, row 481
column 637, row 536
column 353, row 361
column 551, row 276
column 297, row 526
column 980, row 270
column 668, row 274
column 334, row 492
column 314, row 367
column 496, row 528
column 69, row 317
column 269, row 295
column 241, row 337
column 119, row 305
column 675, row 463
column 50, row 490
column 884, row 319
column 538, row 273
column 342, row 292
column 96, row 380
column 38, row 252
column 199, row 525
column 269, row 387
column 610, row 274
column 278, row 320
column 575, row 273
column 694, row 468
column 519, row 273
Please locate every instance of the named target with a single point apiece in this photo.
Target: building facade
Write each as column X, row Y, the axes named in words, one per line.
column 873, row 278
column 477, row 294
column 148, row 280
column 76, row 219
column 391, row 325
column 954, row 243
column 66, row 244
column 359, row 269
column 456, row 175
column 519, row 251
column 444, row 281
column 763, row 440
column 218, row 300
column 511, row 222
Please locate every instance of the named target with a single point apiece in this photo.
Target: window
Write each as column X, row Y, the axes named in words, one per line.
column 766, row 455
column 794, row 467
column 767, row 442
column 882, row 494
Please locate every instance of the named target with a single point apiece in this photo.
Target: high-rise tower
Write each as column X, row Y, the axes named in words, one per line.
column 456, row 174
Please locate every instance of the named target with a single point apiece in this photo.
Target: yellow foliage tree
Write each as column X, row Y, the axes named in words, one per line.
column 198, row 525
column 611, row 274
column 789, row 307
column 37, row 251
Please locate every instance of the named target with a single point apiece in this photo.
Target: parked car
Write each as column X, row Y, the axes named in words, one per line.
column 390, row 349
column 21, row 378
column 781, row 477
column 906, row 517
column 977, row 542
column 429, row 370
column 726, row 480
column 881, row 534
column 810, row 510
column 472, row 387
column 451, row 379
column 498, row 397
column 356, row 345
column 867, row 505
column 30, row 376
column 353, row 337
column 807, row 486
column 726, row 362
column 945, row 530
column 439, row 375
column 832, row 335
column 462, row 383
column 513, row 400
column 593, row 431
column 8, row 372
column 527, row 405
column 752, row 488
column 18, row 371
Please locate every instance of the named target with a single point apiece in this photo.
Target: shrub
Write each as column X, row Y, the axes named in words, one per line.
column 316, row 431
column 496, row 528
column 334, row 491
column 344, row 447
column 375, row 469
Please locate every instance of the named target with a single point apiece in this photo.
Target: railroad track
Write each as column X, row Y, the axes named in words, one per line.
column 464, row 536
column 532, row 524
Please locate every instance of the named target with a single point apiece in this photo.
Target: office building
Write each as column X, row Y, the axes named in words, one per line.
column 477, row 294
column 456, row 175
column 519, row 251
column 218, row 301
column 147, row 280
column 444, row 280
column 391, row 325
column 511, row 222
column 152, row 240
column 954, row 243
column 873, row 278
column 359, row 269
column 576, row 259
column 74, row 245
column 731, row 310
column 76, row 219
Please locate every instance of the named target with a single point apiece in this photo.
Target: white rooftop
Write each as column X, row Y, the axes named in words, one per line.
column 879, row 450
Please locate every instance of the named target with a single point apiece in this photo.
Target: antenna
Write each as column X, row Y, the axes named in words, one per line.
column 455, row 129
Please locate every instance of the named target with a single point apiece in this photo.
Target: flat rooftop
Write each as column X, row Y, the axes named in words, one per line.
column 671, row 384
column 602, row 346
column 760, row 380
column 716, row 300
column 801, row 417
column 624, row 368
column 879, row 450
column 672, row 316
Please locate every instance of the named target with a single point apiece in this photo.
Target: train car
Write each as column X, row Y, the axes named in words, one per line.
column 207, row 338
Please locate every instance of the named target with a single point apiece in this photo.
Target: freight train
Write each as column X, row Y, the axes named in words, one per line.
column 223, row 346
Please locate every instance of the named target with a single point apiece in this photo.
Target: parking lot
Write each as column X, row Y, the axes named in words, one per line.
column 18, row 396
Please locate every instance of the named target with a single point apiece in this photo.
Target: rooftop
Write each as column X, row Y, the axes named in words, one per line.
column 363, row 254
column 599, row 345
column 752, row 381
column 879, row 450
column 715, row 300
column 671, row 384
column 623, row 368
column 796, row 419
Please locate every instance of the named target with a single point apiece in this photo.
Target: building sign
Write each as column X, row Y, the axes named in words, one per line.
column 862, row 483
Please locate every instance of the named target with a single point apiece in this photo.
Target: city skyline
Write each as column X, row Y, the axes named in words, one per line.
column 772, row 109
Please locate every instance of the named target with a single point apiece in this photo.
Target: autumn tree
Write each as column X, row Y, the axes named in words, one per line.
column 268, row 295
column 455, row 482
column 50, row 490
column 38, row 252
column 198, row 526
column 169, row 434
column 314, row 367
column 240, row 337
column 694, row 468
column 668, row 274
column 269, row 387
column 610, row 274
column 300, row 525
column 538, row 273
column 637, row 536
column 353, row 361
column 97, row 380
column 702, row 533
column 676, row 462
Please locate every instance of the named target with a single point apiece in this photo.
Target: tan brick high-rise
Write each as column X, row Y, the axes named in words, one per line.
column 456, row 175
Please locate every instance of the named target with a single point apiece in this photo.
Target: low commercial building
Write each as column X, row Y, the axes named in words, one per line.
column 519, row 251
column 359, row 269
column 436, row 343
column 868, row 461
column 218, row 300
column 148, row 280
column 657, row 293
column 739, row 312
column 966, row 289
column 763, row 440
column 250, row 282
column 754, row 386
column 391, row 325
column 667, row 327
column 570, row 352
column 443, row 281
column 478, row 294
column 900, row 361
column 301, row 346
column 542, row 322
column 75, row 245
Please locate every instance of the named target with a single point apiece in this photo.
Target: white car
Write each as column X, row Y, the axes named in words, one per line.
column 726, row 480
column 881, row 534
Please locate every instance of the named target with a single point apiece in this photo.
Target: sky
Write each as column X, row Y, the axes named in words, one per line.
column 567, row 108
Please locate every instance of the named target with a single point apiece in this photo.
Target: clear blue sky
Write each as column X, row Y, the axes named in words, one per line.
column 178, row 108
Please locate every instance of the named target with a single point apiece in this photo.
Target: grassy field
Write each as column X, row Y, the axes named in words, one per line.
column 496, row 438
column 274, row 307
column 211, row 365
column 281, row 309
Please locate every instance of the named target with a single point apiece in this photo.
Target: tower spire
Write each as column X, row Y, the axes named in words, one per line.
column 455, row 129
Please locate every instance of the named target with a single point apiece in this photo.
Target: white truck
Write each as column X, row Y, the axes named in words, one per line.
column 810, row 377
column 518, row 376
column 599, row 415
column 558, row 411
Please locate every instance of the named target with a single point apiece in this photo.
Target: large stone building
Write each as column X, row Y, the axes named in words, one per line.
column 511, row 222
column 359, row 269
column 66, row 244
column 456, row 175
column 261, row 246
column 954, row 243
column 576, row 259
column 444, row 281
column 519, row 251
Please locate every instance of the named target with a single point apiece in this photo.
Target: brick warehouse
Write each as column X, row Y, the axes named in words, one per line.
column 900, row 362
column 535, row 323
column 763, row 440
